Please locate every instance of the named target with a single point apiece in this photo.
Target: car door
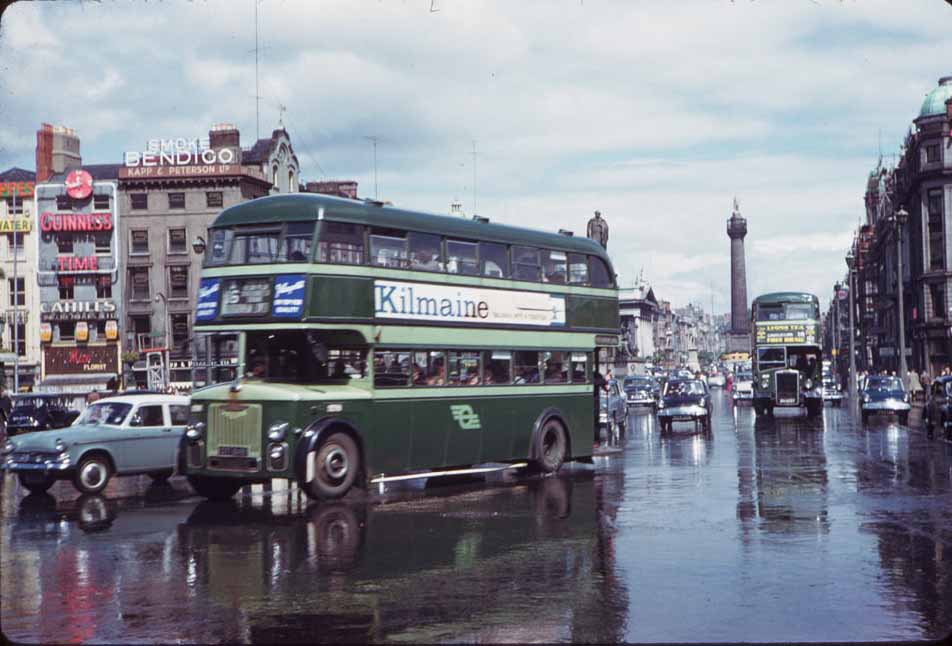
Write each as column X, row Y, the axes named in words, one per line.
column 177, row 420
column 146, row 449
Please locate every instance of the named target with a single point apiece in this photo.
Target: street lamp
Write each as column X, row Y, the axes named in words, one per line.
column 160, row 297
column 198, row 245
column 851, row 263
column 836, row 325
column 902, row 216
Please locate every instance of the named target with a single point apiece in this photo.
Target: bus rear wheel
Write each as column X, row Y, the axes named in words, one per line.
column 336, row 463
column 552, row 447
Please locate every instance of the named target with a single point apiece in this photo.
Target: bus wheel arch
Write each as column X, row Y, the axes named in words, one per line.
column 550, row 430
column 330, row 459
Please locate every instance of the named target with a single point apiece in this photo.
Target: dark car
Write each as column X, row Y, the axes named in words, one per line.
column 885, row 395
column 937, row 412
column 832, row 391
column 685, row 400
column 39, row 412
column 641, row 391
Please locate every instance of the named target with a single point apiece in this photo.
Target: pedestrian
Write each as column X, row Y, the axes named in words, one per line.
column 601, row 384
column 915, row 386
column 729, row 382
column 91, row 396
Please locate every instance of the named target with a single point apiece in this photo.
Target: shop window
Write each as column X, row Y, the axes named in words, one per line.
column 17, row 336
column 178, row 281
column 17, row 292
column 139, row 242
column 213, row 199
column 100, row 201
column 176, row 200
column 66, row 287
column 67, row 330
column 103, row 240
column 139, row 282
column 103, row 287
column 178, row 242
column 140, row 201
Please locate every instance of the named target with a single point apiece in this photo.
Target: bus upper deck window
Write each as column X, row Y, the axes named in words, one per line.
column 341, row 243
column 218, row 247
column 494, row 260
column 578, row 269
column 461, row 258
column 599, row 272
column 297, row 242
column 425, row 251
column 554, row 266
column 525, row 263
column 388, row 248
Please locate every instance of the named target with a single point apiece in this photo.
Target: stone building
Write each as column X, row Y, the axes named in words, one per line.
column 638, row 311
column 170, row 205
column 921, row 183
column 19, row 295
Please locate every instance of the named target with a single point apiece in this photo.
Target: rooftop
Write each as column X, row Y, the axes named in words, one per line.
column 934, row 103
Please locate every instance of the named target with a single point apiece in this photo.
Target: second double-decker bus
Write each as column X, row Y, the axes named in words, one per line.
column 787, row 356
column 342, row 342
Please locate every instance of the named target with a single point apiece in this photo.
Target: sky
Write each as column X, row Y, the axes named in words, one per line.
column 658, row 114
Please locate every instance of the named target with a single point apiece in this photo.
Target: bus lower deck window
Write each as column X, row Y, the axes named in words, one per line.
column 525, row 367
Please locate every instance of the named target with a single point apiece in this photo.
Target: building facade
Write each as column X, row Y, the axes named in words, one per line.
column 638, row 311
column 19, row 293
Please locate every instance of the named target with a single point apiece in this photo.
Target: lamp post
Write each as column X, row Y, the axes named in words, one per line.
column 159, row 296
column 902, row 216
column 851, row 263
column 836, row 325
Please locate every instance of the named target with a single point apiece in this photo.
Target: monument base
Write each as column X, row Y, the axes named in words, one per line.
column 738, row 342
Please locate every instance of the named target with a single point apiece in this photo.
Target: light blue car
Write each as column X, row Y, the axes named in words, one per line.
column 123, row 435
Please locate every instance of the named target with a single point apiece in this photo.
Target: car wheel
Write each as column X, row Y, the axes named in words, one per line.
column 336, row 464
column 93, row 473
column 553, row 447
column 38, row 485
column 215, row 488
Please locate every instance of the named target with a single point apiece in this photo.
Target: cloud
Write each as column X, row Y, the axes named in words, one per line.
column 657, row 114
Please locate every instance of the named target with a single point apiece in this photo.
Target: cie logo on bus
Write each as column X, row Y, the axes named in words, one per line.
column 466, row 417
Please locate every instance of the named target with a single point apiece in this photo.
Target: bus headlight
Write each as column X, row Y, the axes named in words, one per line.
column 764, row 381
column 195, row 431
column 278, row 431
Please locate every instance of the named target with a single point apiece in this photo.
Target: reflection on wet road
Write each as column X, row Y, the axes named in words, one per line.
column 768, row 530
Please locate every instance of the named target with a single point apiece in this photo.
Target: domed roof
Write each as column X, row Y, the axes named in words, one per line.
column 935, row 100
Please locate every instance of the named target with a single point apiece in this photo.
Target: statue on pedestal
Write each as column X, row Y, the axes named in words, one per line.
column 598, row 230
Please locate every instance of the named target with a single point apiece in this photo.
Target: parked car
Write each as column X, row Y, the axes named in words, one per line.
column 885, row 395
column 937, row 412
column 613, row 412
column 118, row 436
column 39, row 412
column 832, row 391
column 685, row 400
column 716, row 380
column 641, row 391
column 743, row 387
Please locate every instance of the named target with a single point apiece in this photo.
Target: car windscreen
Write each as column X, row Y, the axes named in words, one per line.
column 637, row 383
column 108, row 413
column 684, row 389
column 884, row 384
column 744, row 376
column 29, row 402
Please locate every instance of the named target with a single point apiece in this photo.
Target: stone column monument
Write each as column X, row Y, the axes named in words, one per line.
column 738, row 339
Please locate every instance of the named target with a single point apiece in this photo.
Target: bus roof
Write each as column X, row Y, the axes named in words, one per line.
column 784, row 297
column 305, row 207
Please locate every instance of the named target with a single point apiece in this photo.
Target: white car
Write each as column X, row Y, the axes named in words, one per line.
column 743, row 387
column 716, row 380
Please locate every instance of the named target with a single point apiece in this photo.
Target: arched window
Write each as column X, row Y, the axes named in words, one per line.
column 274, row 176
column 291, row 180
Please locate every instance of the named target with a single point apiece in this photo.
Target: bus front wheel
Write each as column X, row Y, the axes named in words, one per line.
column 336, row 463
column 552, row 447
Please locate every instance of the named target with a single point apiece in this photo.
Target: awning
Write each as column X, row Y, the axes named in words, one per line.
column 80, row 383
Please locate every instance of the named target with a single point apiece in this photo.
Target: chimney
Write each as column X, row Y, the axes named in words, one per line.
column 57, row 149
column 223, row 135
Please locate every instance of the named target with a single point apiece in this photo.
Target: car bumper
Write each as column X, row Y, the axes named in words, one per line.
column 833, row 396
column 886, row 406
column 683, row 412
column 47, row 466
column 640, row 401
column 743, row 394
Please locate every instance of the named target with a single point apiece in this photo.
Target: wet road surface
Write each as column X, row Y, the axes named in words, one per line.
column 769, row 530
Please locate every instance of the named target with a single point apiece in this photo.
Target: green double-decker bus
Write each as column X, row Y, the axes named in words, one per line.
column 787, row 355
column 342, row 342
